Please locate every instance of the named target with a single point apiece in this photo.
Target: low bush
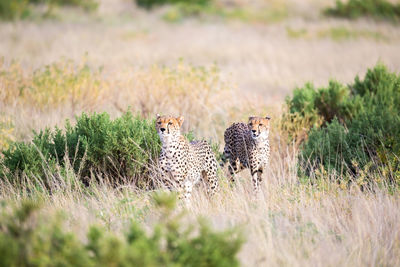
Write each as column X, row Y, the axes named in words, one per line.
column 342, row 33
column 20, row 9
column 87, row 5
column 29, row 238
column 310, row 107
column 148, row 4
column 121, row 149
column 379, row 9
column 15, row 9
column 269, row 12
column 351, row 127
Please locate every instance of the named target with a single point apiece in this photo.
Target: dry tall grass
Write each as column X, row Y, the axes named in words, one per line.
column 290, row 224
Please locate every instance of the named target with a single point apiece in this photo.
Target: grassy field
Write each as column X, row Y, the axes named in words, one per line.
column 213, row 69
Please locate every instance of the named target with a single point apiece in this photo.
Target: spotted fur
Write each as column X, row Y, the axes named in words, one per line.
column 185, row 164
column 247, row 146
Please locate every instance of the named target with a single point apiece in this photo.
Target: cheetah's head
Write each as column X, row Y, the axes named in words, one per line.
column 168, row 127
column 259, row 127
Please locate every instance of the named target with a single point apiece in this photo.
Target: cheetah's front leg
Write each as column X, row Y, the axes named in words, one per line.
column 183, row 186
column 176, row 181
column 186, row 191
column 256, row 179
column 211, row 180
column 166, row 176
column 234, row 168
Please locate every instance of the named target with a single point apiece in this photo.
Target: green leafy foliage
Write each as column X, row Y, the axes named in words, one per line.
column 26, row 240
column 326, row 103
column 16, row 9
column 379, row 9
column 122, row 148
column 274, row 12
column 312, row 107
column 88, row 5
column 359, row 124
column 148, row 4
column 29, row 238
column 20, row 9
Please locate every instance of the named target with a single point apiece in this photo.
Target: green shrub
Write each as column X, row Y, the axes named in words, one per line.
column 88, row 5
column 122, row 149
column 342, row 33
column 29, row 238
column 310, row 107
column 182, row 10
column 326, row 103
column 360, row 124
column 273, row 12
column 380, row 9
column 148, row 4
column 26, row 240
column 328, row 146
column 20, row 9
column 14, row 9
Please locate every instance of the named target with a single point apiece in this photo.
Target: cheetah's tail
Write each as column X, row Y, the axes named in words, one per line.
column 225, row 156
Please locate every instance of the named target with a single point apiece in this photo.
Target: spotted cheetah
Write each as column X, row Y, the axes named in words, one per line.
column 247, row 146
column 185, row 164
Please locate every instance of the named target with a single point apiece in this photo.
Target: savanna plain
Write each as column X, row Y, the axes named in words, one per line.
column 96, row 76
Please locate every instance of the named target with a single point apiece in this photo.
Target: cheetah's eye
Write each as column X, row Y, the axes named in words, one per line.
column 169, row 123
column 159, row 122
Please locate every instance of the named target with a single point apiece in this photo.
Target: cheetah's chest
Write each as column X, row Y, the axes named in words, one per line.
column 260, row 156
column 174, row 155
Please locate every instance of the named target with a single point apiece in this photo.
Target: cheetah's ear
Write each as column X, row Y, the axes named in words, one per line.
column 250, row 118
column 180, row 120
column 158, row 116
column 268, row 117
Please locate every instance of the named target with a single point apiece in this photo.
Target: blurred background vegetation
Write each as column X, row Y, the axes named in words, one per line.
column 352, row 9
